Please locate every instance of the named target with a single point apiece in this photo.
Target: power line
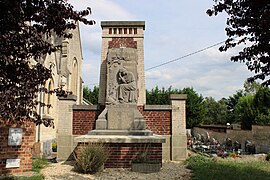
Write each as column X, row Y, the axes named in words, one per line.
column 182, row 57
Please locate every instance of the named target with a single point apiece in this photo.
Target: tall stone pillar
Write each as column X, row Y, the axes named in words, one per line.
column 125, row 36
column 65, row 140
column 121, row 91
column 179, row 137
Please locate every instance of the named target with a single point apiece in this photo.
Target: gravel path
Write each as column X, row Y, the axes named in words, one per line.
column 64, row 171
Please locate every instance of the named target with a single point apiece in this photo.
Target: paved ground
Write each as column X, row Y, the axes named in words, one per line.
column 64, row 171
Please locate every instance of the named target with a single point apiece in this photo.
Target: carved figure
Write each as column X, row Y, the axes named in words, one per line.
column 127, row 87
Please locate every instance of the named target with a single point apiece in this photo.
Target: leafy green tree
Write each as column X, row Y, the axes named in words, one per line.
column 25, row 26
column 262, row 104
column 157, row 96
column 250, row 106
column 216, row 111
column 248, row 25
column 231, row 103
column 251, row 87
column 91, row 95
column 195, row 110
column 245, row 111
column 160, row 96
column 195, row 107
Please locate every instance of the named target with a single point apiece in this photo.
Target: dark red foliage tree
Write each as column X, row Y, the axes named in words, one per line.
column 248, row 24
column 24, row 27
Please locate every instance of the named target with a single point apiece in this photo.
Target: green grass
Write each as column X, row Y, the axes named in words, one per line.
column 38, row 164
column 204, row 168
column 37, row 177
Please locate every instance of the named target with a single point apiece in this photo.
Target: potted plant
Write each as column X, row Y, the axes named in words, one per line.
column 54, row 146
column 144, row 164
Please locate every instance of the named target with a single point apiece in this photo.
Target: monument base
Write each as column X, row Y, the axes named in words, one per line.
column 122, row 132
column 121, row 116
column 120, row 139
column 126, row 148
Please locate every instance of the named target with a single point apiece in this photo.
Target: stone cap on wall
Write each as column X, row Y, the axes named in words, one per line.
column 178, row 96
column 157, row 107
column 123, row 24
column 85, row 107
column 68, row 97
column 120, row 139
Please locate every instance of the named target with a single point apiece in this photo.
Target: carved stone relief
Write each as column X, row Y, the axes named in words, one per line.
column 121, row 76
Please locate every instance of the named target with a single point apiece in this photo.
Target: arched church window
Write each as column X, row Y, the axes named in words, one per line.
column 49, row 101
column 74, row 76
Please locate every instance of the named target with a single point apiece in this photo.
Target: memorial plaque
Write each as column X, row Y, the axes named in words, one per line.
column 15, row 137
column 12, row 163
column 47, row 148
column 120, row 118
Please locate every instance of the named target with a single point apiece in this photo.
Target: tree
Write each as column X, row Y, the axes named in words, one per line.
column 262, row 104
column 195, row 107
column 160, row 96
column 251, row 87
column 195, row 110
column 248, row 24
column 231, row 104
column 91, row 96
column 26, row 26
column 216, row 112
column 254, row 109
column 245, row 111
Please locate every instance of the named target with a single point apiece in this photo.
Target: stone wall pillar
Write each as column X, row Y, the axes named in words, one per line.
column 65, row 143
column 178, row 138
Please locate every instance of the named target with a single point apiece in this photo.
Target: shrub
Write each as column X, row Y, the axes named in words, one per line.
column 91, row 157
column 267, row 157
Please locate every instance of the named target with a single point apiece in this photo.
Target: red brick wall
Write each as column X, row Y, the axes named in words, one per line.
column 122, row 154
column 22, row 152
column 158, row 121
column 126, row 42
column 84, row 121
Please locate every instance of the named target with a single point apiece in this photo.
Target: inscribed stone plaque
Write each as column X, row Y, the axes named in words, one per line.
column 119, row 118
column 15, row 137
column 12, row 163
column 47, row 148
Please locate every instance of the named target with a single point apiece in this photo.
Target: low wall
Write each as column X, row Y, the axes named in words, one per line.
column 122, row 154
column 259, row 136
column 84, row 119
column 157, row 119
column 22, row 152
column 166, row 120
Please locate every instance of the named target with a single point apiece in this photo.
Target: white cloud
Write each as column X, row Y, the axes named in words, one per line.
column 103, row 9
column 172, row 30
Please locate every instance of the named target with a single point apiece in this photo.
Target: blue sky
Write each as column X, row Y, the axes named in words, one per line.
column 173, row 29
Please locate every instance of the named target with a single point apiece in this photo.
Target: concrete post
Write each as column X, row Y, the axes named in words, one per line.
column 65, row 143
column 179, row 138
